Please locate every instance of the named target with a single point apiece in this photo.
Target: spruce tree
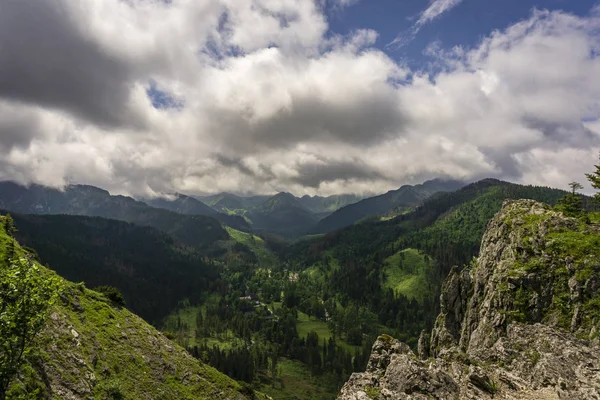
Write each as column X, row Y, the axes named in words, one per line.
column 571, row 204
column 9, row 225
column 594, row 179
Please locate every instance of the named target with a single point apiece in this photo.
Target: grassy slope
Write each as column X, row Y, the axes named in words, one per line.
column 406, row 272
column 255, row 244
column 298, row 384
column 89, row 349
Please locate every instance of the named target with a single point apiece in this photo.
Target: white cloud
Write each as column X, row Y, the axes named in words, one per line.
column 270, row 102
column 434, row 11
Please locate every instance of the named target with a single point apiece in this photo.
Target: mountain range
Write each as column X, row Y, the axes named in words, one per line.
column 192, row 220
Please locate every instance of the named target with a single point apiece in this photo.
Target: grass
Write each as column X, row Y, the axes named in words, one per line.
column 594, row 217
column 305, row 324
column 298, row 384
column 239, row 212
column 406, row 273
column 255, row 243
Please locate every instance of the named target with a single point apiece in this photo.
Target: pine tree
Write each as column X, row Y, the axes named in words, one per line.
column 9, row 225
column 594, row 179
column 199, row 325
column 571, row 204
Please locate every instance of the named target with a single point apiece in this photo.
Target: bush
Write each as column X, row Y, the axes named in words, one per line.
column 113, row 294
column 114, row 391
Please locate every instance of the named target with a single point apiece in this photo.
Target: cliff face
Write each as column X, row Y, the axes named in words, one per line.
column 521, row 323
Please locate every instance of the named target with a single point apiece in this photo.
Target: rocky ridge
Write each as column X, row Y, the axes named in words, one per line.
column 522, row 322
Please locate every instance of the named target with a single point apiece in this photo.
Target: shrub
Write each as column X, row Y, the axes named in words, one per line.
column 113, row 294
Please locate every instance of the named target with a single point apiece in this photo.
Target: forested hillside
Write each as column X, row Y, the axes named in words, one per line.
column 445, row 231
column 394, row 202
column 80, row 344
column 183, row 204
column 139, row 261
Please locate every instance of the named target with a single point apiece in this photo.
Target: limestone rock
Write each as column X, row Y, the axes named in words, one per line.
column 519, row 324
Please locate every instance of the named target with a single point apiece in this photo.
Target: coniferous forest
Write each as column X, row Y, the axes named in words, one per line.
column 284, row 316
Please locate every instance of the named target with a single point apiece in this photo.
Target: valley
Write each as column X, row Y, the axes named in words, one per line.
column 290, row 318
column 299, row 200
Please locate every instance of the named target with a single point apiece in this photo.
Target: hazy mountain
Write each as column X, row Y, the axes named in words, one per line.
column 183, row 204
column 227, row 202
column 329, row 204
column 399, row 200
column 282, row 214
column 196, row 230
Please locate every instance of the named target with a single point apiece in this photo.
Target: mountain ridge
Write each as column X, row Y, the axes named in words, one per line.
column 194, row 230
column 404, row 198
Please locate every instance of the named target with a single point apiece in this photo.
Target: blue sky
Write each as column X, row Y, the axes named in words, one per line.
column 463, row 25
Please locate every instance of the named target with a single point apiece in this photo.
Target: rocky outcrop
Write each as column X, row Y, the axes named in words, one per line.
column 522, row 322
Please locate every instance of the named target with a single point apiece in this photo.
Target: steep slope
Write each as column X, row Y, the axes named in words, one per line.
column 90, row 349
column 139, row 261
column 405, row 198
column 197, row 230
column 523, row 323
column 183, row 204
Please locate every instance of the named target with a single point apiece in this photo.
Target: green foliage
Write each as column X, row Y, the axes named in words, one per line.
column 256, row 244
column 9, row 225
column 26, row 295
column 87, row 336
column 114, row 391
column 363, row 264
column 373, row 392
column 571, row 204
column 573, row 251
column 594, row 179
column 407, row 273
column 113, row 294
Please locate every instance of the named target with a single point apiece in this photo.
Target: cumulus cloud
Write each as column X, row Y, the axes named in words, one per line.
column 260, row 97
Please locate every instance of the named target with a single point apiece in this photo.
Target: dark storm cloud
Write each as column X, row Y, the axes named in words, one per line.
column 45, row 59
column 365, row 121
column 571, row 134
column 17, row 128
column 314, row 173
column 230, row 162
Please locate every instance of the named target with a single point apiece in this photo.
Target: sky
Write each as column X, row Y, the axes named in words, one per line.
column 144, row 97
